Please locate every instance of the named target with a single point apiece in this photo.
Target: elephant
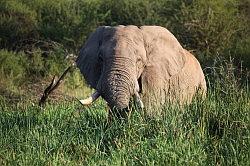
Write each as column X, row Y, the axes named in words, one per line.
column 144, row 63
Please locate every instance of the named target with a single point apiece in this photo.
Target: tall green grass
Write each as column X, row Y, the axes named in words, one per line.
column 214, row 131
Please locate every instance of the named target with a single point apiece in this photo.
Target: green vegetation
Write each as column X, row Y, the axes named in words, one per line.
column 211, row 132
column 209, row 27
column 36, row 38
column 42, row 33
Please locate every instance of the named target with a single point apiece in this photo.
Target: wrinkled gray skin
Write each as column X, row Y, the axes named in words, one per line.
column 120, row 61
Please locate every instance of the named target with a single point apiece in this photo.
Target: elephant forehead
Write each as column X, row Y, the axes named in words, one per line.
column 129, row 34
column 125, row 42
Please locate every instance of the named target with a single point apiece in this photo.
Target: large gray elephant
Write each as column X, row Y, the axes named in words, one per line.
column 147, row 63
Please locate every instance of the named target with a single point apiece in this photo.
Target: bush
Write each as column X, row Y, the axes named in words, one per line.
column 128, row 12
column 212, row 27
column 12, row 65
column 20, row 68
column 17, row 22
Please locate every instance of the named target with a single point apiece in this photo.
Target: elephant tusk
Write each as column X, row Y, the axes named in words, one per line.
column 90, row 99
column 138, row 100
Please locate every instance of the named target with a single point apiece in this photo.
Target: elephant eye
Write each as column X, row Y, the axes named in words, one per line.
column 100, row 56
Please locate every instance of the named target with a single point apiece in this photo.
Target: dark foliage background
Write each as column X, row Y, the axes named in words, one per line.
column 37, row 35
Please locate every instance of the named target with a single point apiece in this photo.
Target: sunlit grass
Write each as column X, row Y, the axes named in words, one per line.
column 215, row 131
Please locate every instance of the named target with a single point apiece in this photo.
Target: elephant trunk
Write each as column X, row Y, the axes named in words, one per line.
column 117, row 83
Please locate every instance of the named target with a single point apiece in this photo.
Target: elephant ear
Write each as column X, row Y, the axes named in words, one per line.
column 165, row 59
column 164, row 52
column 88, row 60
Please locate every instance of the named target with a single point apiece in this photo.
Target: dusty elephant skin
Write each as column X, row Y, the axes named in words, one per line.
column 147, row 63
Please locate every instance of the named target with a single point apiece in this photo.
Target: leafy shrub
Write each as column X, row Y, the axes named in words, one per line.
column 211, row 27
column 12, row 66
column 20, row 68
column 128, row 12
column 19, row 71
column 17, row 22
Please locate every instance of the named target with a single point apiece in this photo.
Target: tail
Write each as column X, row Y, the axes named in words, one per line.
column 54, row 84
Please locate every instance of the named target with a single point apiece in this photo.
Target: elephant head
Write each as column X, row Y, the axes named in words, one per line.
column 129, row 61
